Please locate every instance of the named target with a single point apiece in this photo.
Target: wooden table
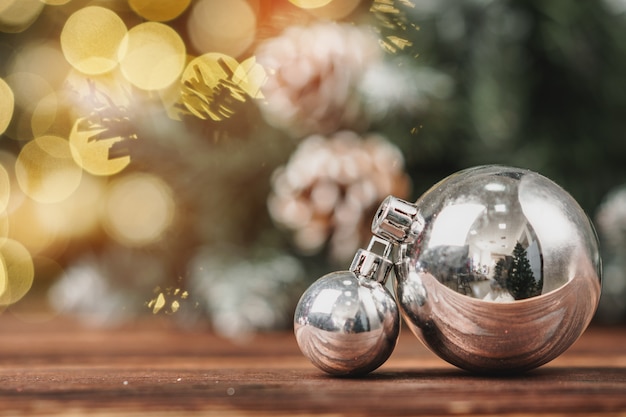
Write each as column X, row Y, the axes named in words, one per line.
column 157, row 368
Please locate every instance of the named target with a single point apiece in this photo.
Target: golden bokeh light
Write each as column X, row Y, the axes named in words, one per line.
column 159, row 10
column 93, row 93
column 4, row 282
column 152, row 56
column 170, row 98
column 18, row 15
column 16, row 272
column 53, row 115
column 25, row 227
column 5, row 198
column 56, row 2
column 5, row 189
column 41, row 58
column 91, row 38
column 44, row 115
column 46, row 171
column 14, row 195
column 4, row 225
column 35, row 306
column 222, row 26
column 251, row 76
column 29, row 89
column 138, row 209
column 211, row 85
column 93, row 155
column 310, row 4
column 7, row 103
column 75, row 217
column 335, row 9
column 168, row 300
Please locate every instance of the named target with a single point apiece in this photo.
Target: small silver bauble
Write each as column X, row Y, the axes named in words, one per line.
column 347, row 322
column 497, row 268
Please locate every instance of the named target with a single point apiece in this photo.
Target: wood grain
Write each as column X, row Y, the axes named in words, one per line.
column 156, row 368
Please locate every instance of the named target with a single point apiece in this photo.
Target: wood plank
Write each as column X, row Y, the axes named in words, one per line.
column 62, row 368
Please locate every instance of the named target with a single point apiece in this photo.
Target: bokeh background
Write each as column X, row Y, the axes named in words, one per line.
column 206, row 160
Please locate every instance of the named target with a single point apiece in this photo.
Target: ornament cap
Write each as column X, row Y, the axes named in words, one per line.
column 374, row 262
column 397, row 221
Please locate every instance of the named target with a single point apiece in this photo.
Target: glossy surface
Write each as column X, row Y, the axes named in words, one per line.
column 503, row 272
column 346, row 325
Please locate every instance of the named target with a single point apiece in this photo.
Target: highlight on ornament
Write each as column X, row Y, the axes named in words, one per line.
column 497, row 270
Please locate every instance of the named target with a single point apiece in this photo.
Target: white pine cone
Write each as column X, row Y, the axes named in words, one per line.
column 314, row 73
column 330, row 188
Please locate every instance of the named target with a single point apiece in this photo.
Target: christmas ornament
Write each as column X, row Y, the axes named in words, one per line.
column 497, row 271
column 347, row 322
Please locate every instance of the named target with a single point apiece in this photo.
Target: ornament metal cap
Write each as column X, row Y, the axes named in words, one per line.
column 371, row 265
column 397, row 221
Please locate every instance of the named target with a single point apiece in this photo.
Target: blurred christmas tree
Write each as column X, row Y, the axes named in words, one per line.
column 271, row 130
column 521, row 281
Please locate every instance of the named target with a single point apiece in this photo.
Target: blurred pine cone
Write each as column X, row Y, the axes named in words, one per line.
column 329, row 190
column 314, row 73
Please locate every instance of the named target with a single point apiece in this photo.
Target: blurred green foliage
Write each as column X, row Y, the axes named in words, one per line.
column 537, row 84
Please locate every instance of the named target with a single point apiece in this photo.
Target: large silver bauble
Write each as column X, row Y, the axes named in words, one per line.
column 498, row 271
column 346, row 325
